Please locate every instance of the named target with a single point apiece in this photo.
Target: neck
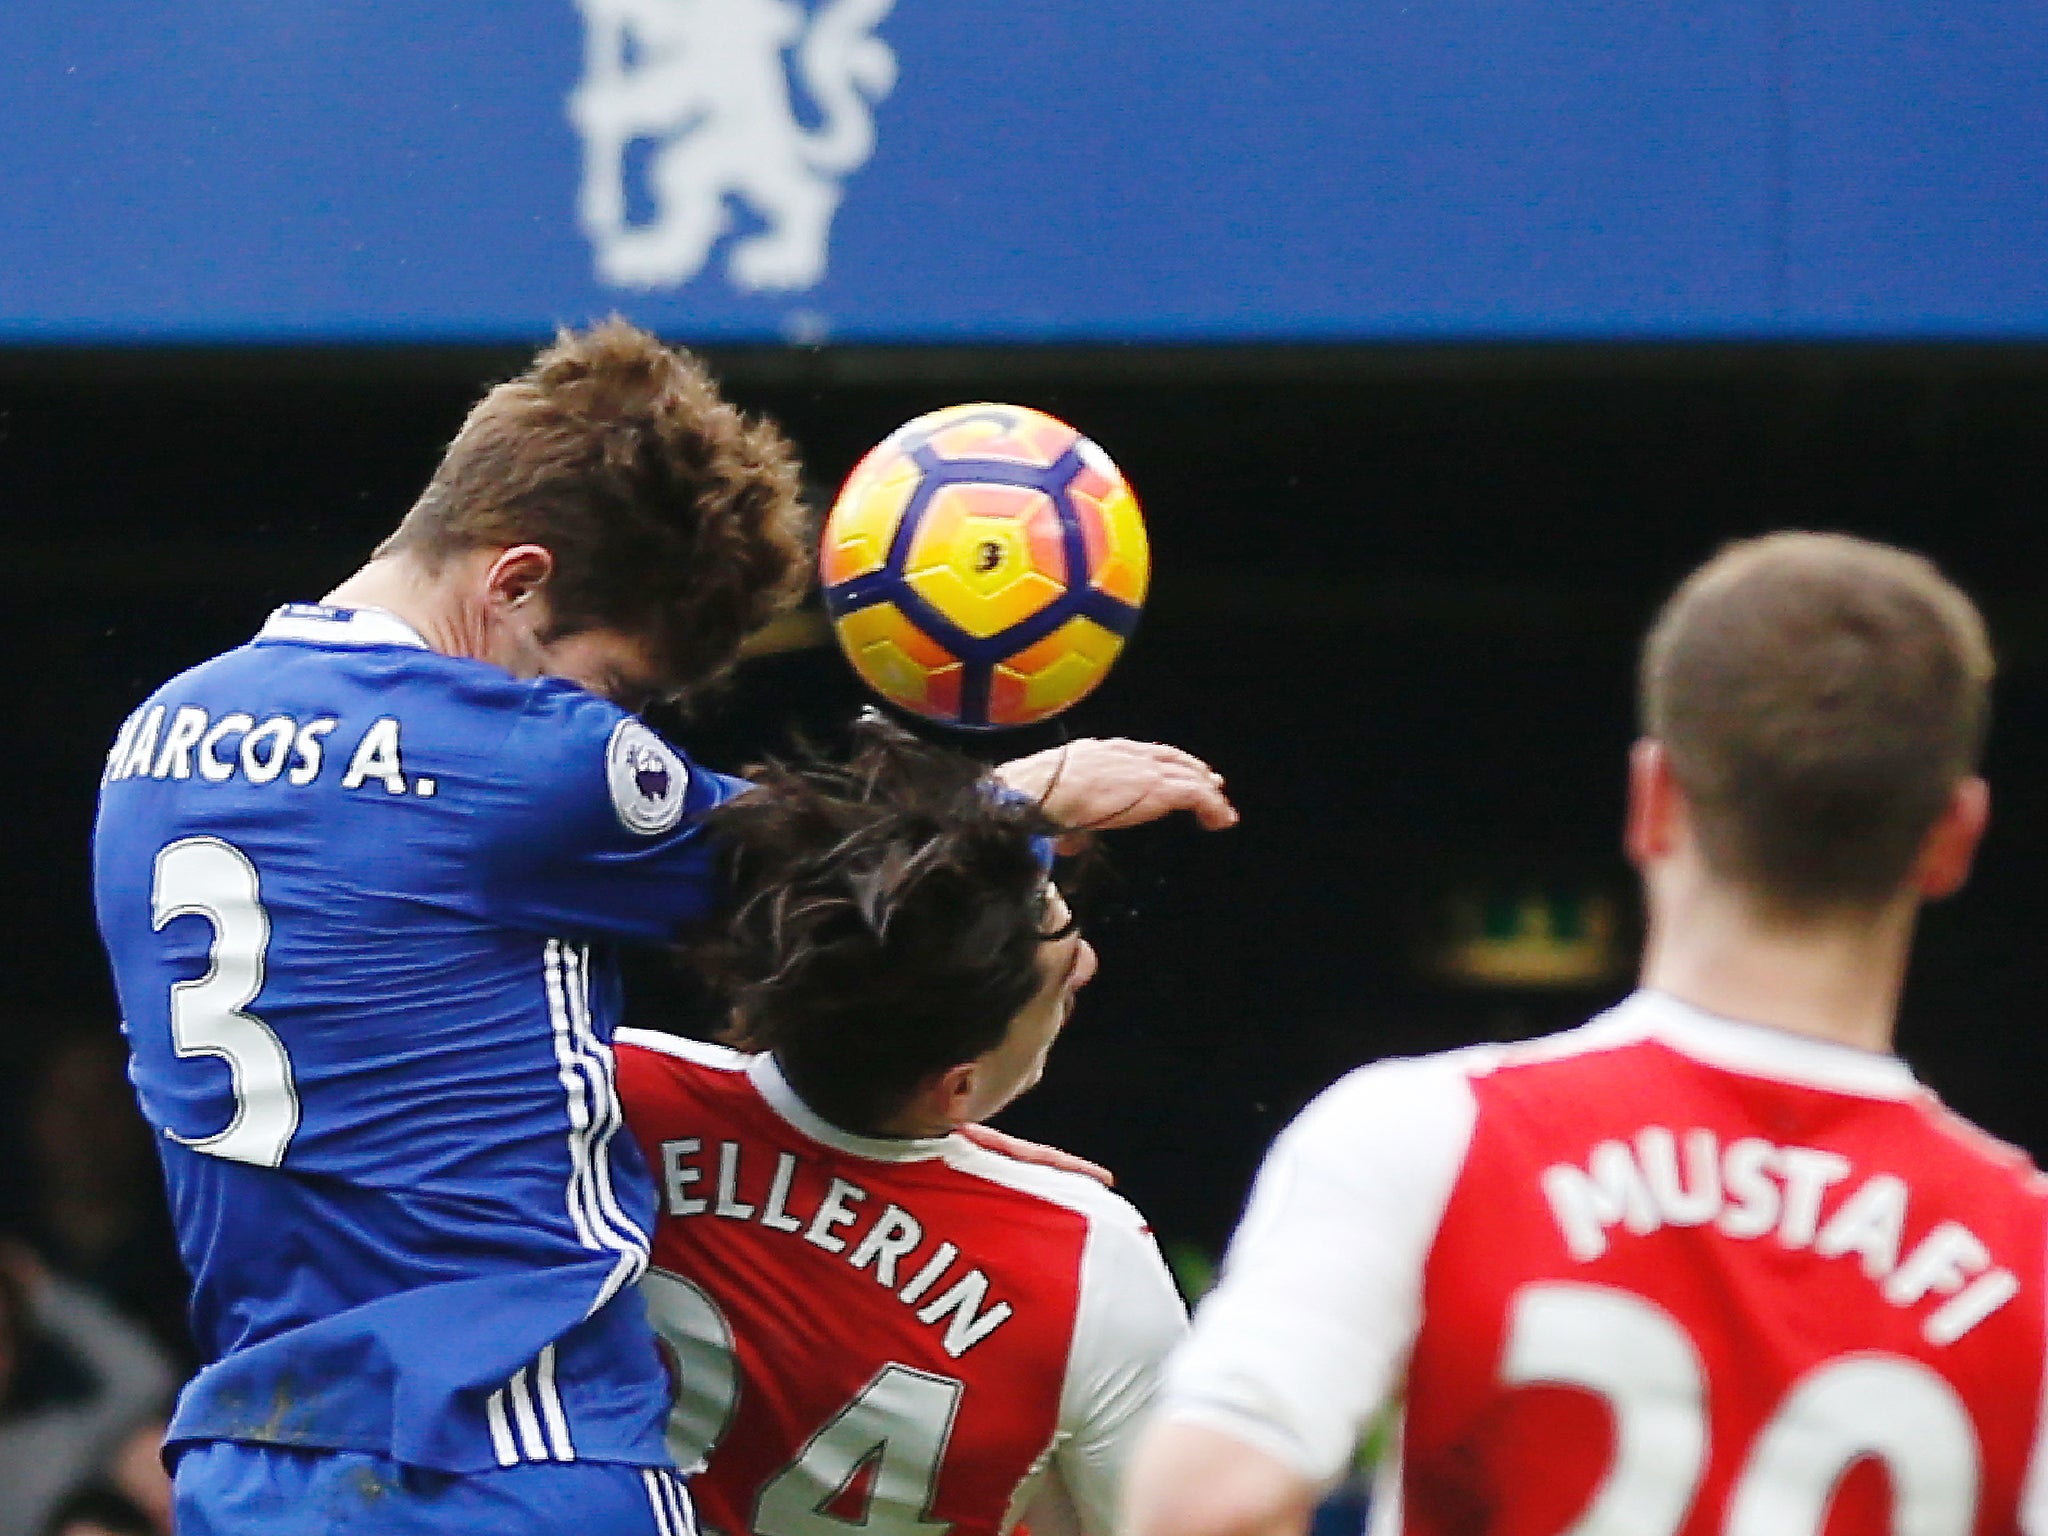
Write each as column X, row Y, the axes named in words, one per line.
column 931, row 1111
column 918, row 1120
column 1836, row 980
column 430, row 600
column 915, row 1125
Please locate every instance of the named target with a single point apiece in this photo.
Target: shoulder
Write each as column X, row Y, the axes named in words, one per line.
column 202, row 680
column 1980, row 1146
column 443, row 703
column 538, row 730
column 583, row 753
column 1429, row 1103
column 1396, row 1101
column 1097, row 1205
column 1127, row 1311
column 559, row 724
column 658, row 1070
column 673, row 1087
column 699, row 1053
column 1395, row 1076
column 1381, row 1148
column 242, row 660
column 575, row 775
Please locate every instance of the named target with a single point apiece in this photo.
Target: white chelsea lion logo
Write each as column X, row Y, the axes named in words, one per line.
column 647, row 779
column 704, row 81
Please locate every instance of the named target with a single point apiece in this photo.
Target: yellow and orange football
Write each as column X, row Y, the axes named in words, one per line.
column 984, row 565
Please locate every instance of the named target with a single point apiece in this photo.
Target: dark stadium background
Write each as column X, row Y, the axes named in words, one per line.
column 1396, row 599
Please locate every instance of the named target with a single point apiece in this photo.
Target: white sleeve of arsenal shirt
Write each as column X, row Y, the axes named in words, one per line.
column 1127, row 1319
column 1306, row 1335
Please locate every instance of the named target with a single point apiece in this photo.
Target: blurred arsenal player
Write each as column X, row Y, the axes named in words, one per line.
column 880, row 1325
column 1714, row 1262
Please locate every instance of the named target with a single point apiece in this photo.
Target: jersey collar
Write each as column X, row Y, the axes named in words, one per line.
column 767, row 1078
column 1763, row 1050
column 340, row 626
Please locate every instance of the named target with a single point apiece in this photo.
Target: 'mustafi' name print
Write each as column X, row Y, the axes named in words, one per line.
column 1751, row 1189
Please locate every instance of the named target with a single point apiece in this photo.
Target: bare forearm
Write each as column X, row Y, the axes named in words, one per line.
column 1094, row 785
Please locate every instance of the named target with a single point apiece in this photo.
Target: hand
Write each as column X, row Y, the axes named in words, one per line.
column 1096, row 785
column 993, row 1140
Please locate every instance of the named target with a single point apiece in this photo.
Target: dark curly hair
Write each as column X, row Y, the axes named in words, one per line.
column 669, row 513
column 885, row 922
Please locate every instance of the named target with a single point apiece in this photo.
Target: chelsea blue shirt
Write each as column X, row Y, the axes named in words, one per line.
column 359, row 899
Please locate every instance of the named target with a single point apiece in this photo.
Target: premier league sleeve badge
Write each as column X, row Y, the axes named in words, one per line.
column 647, row 778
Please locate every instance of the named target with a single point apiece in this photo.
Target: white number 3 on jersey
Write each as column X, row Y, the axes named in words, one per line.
column 205, row 877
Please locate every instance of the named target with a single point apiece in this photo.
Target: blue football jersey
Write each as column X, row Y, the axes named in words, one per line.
column 359, row 899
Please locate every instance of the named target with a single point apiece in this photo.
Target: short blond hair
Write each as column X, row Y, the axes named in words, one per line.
column 1820, row 697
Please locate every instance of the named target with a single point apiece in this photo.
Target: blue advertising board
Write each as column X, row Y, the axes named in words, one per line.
column 1066, row 170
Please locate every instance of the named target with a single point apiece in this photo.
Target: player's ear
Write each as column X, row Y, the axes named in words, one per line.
column 945, row 1097
column 517, row 574
column 957, row 1088
column 1951, row 843
column 1656, row 806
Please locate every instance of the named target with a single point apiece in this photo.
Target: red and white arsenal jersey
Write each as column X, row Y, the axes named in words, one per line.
column 900, row 1337
column 1662, row 1274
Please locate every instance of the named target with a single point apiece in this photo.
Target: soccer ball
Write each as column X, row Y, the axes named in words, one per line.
column 984, row 565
